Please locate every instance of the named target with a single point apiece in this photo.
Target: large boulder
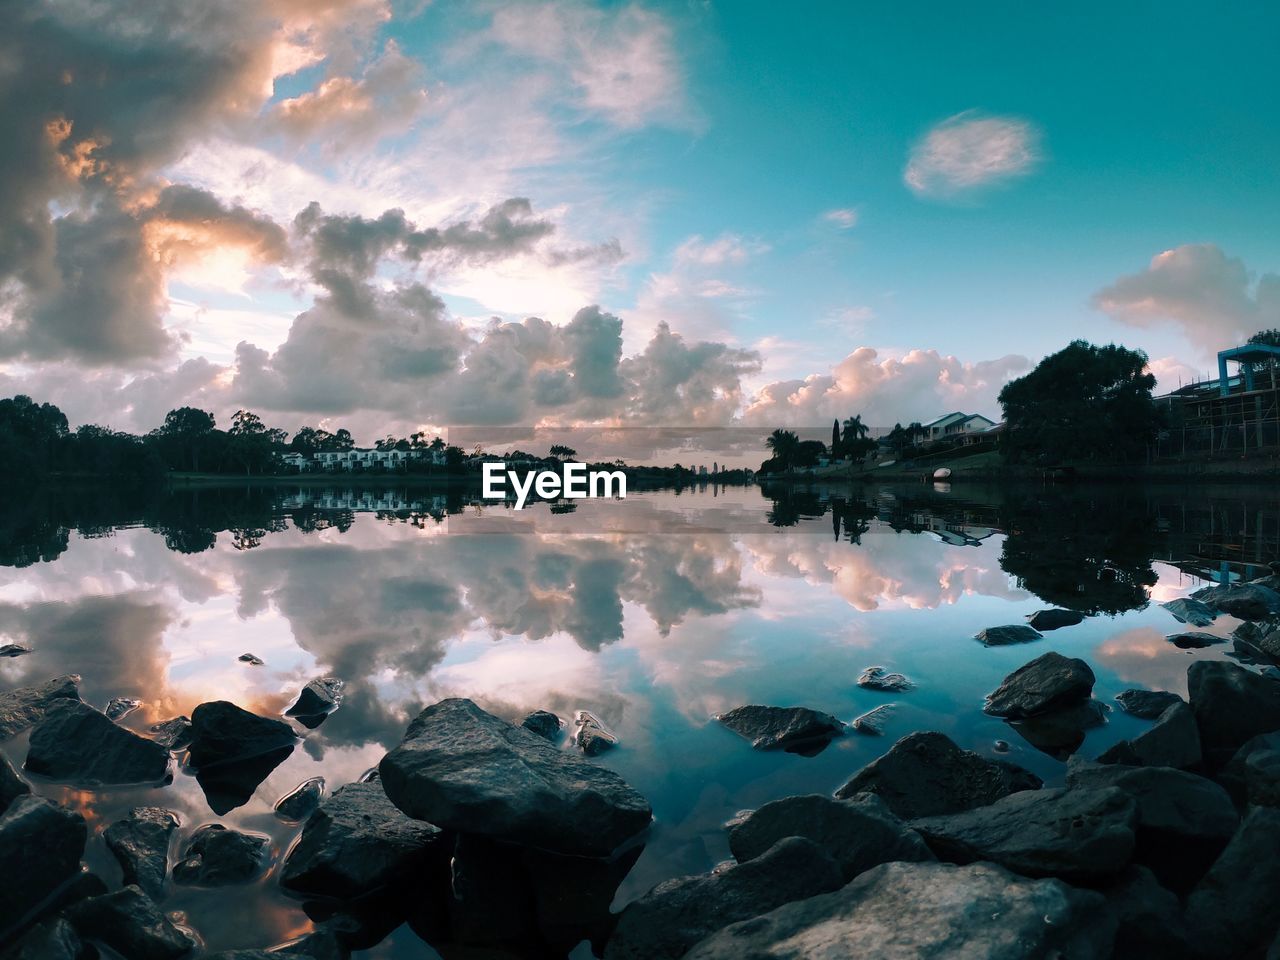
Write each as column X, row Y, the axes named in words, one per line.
column 1149, row 917
column 22, row 708
column 675, row 915
column 140, row 842
column 1147, row 704
column 54, row 939
column 1234, row 911
column 1172, row 741
column 1049, row 682
column 926, row 911
column 216, row 856
column 771, row 728
column 76, row 743
column 1248, row 601
column 41, row 844
column 463, row 769
column 222, row 732
column 1007, row 635
column 1074, row 834
column 12, row 786
column 131, row 924
column 356, row 843
column 926, row 773
column 1191, row 611
column 1232, row 705
column 857, row 834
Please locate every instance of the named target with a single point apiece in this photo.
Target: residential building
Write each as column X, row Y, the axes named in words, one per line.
column 954, row 425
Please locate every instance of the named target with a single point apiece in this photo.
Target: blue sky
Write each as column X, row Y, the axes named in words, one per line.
column 724, row 213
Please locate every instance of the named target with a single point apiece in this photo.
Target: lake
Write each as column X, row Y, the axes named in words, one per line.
column 654, row 613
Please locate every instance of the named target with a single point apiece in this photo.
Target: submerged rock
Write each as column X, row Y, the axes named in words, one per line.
column 131, row 924
column 22, row 708
column 140, row 843
column 356, row 843
column 252, row 659
column 1048, row 682
column 1009, row 634
column 1147, row 704
column 872, row 722
column 233, row 783
column 1191, row 611
column 1059, row 733
column 221, row 732
column 926, row 773
column 773, row 728
column 1172, row 741
column 300, row 802
column 591, row 735
column 120, row 707
column 41, row 844
column 12, row 786
column 857, row 834
column 1054, row 619
column 875, row 678
column 172, row 734
column 463, row 769
column 675, row 915
column 544, row 723
column 13, row 650
column 216, row 856
column 1233, row 911
column 1231, row 705
column 75, row 742
column 950, row 911
column 318, row 699
column 1194, row 640
column 1248, row 601
column 1073, row 834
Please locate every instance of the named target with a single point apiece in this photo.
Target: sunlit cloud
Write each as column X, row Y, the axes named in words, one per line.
column 969, row 151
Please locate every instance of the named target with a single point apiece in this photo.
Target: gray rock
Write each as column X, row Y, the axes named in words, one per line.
column 216, row 856
column 1191, row 611
column 926, row 911
column 41, row 844
column 131, row 924
column 544, row 723
column 1009, row 634
column 1234, row 911
column 222, row 732
column 872, row 722
column 771, row 728
column 857, row 834
column 1147, row 704
column 666, row 922
column 463, row 769
column 318, row 699
column 1149, row 917
column 926, row 773
column 12, row 786
column 1047, row 683
column 1262, row 778
column 1176, row 805
column 1172, row 741
column 140, row 843
column 1059, row 733
column 300, row 802
column 1194, row 640
column 875, row 678
column 21, row 709
column 590, row 735
column 251, row 659
column 358, row 842
column 1076, row 834
column 172, row 734
column 118, row 708
column 1054, row 619
column 1234, row 775
column 1248, row 601
column 13, row 650
column 1232, row 705
column 76, row 743
column 54, row 939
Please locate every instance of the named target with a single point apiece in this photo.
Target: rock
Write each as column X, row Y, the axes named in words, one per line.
column 875, row 678
column 12, row 786
column 356, row 843
column 76, row 743
column 1262, row 778
column 1059, row 733
column 1054, row 619
column 666, row 922
column 1149, row 916
column 1047, row 683
column 771, row 728
column 872, row 722
column 926, row 911
column 216, row 856
column 1194, row 640
column 1191, row 611
column 221, row 732
column 463, row 769
column 1147, row 704
column 120, row 707
column 926, row 773
column 544, row 723
column 1073, row 834
column 172, row 734
column 41, row 844
column 857, row 834
column 1234, row 775
column 13, row 650
column 140, row 843
column 233, row 784
column 1232, row 705
column 1248, row 601
column 573, row 896
column 1233, row 911
column 319, row 944
column 54, row 939
column 318, row 699
column 1009, row 634
column 1172, row 741
column 129, row 923
column 1000, row 746
column 590, row 735
column 21, row 709
column 300, row 802
column 251, row 659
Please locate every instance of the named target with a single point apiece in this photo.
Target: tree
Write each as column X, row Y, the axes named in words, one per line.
column 1083, row 402
column 835, row 437
column 561, row 452
column 783, row 444
column 854, row 443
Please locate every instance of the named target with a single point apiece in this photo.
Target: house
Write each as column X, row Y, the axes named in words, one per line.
column 953, row 425
column 359, row 458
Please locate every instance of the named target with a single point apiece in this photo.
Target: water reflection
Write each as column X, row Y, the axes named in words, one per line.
column 654, row 614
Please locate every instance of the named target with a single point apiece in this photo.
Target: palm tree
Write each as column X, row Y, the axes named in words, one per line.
column 855, row 429
column 783, row 444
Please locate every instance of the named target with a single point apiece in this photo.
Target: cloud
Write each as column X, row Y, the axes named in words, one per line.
column 1213, row 298
column 726, row 249
column 843, row 218
column 969, row 151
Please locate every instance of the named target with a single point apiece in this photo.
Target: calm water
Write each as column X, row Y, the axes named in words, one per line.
column 654, row 613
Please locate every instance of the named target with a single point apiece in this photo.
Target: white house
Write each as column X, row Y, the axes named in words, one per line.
column 956, row 425
column 359, row 458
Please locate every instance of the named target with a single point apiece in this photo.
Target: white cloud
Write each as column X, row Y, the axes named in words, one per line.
column 968, row 151
column 843, row 217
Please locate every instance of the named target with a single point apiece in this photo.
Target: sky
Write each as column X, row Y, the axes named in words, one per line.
column 392, row 216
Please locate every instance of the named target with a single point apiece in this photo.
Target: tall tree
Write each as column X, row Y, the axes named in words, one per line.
column 835, row 438
column 783, row 444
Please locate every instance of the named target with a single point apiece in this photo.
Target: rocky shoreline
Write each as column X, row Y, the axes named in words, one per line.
column 490, row 839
